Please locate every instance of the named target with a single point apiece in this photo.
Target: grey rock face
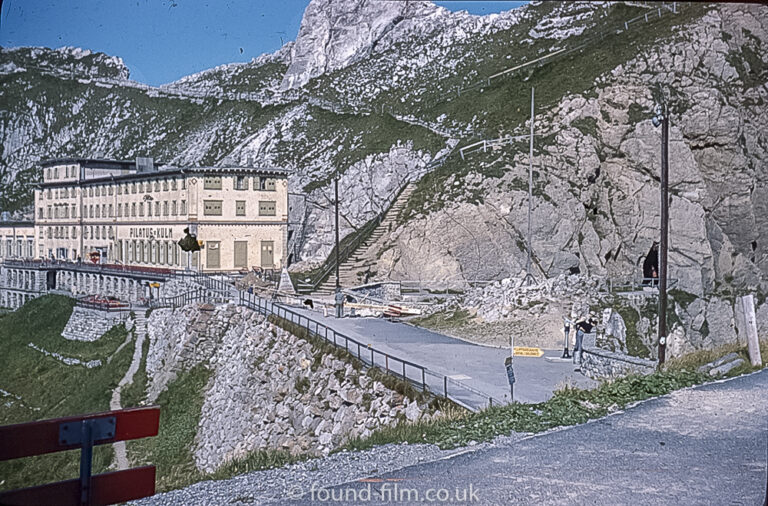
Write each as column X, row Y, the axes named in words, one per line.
column 335, row 33
column 598, row 208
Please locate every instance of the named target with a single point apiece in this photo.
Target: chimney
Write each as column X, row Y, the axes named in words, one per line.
column 145, row 164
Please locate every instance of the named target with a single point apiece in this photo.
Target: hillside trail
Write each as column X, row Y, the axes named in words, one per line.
column 140, row 331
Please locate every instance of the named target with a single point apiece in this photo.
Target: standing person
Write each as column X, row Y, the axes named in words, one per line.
column 339, row 298
column 583, row 326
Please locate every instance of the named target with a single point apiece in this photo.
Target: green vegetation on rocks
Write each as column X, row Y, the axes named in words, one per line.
column 171, row 450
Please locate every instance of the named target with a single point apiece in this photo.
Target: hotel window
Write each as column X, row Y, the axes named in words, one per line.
column 165, row 208
column 74, row 211
column 98, row 233
column 41, row 234
column 90, row 211
column 104, row 210
column 111, row 233
column 74, row 232
column 119, row 189
column 111, row 210
column 183, row 210
column 133, row 209
column 98, row 211
column 157, row 186
column 48, row 173
column 240, row 208
column 173, row 208
column 90, row 191
column 55, row 173
column 266, row 208
column 111, row 190
column 97, row 191
column 66, row 211
column 141, row 208
column 157, row 208
column 149, row 208
column 40, row 212
column 212, row 183
column 165, row 185
column 241, row 183
column 212, row 207
column 266, row 184
column 49, row 232
column 173, row 184
column 49, row 212
column 49, row 193
column 119, row 210
column 183, row 184
column 133, row 187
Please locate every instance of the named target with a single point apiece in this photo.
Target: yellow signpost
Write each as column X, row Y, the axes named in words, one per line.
column 523, row 351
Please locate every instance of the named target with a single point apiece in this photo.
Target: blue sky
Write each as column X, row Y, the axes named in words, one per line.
column 163, row 40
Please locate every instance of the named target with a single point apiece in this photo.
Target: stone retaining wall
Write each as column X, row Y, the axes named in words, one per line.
column 603, row 364
column 268, row 390
column 90, row 324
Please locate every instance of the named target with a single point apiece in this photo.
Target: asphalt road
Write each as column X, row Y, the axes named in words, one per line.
column 701, row 446
column 480, row 367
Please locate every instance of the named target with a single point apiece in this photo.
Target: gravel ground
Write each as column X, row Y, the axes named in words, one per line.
column 295, row 480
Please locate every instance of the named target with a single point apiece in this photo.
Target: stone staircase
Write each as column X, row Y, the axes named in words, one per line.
column 364, row 256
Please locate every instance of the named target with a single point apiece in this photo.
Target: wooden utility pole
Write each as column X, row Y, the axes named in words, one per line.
column 528, row 276
column 664, row 240
column 336, row 205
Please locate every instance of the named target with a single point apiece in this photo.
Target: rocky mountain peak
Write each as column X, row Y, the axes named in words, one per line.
column 335, row 33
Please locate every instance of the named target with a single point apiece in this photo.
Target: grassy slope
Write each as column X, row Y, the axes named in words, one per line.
column 171, row 450
column 50, row 388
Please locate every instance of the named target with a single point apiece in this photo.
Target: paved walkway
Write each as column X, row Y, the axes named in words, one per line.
column 479, row 367
column 706, row 445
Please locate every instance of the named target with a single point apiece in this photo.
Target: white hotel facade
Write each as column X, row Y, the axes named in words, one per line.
column 132, row 213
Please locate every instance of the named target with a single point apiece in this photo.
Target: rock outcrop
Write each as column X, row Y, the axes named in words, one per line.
column 595, row 205
column 335, row 33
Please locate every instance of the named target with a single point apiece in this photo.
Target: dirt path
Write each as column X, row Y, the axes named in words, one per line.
column 140, row 331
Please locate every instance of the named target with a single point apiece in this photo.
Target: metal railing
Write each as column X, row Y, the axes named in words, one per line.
column 440, row 286
column 485, row 144
column 416, row 374
column 634, row 284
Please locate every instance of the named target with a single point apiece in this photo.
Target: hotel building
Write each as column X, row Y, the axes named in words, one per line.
column 134, row 213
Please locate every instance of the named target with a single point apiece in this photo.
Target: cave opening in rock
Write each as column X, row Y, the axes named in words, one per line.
column 651, row 265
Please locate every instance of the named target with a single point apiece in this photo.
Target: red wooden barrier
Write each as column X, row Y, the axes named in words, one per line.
column 107, row 488
column 85, row 431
